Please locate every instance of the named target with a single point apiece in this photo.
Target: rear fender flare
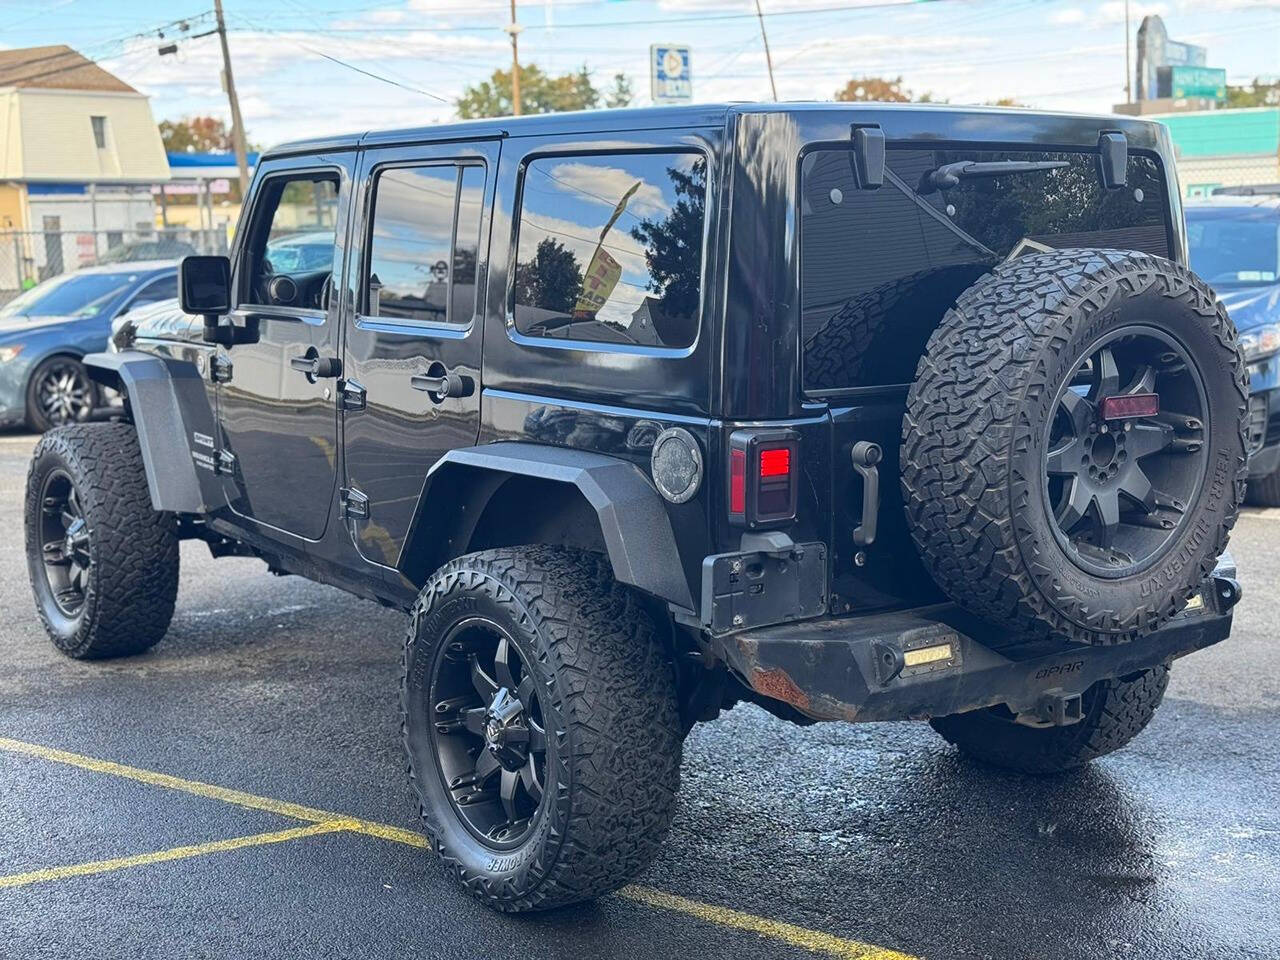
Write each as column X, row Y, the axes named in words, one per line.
column 633, row 520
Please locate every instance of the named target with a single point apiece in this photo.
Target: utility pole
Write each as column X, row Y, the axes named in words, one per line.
column 513, row 28
column 1128, row 74
column 237, row 124
column 768, row 59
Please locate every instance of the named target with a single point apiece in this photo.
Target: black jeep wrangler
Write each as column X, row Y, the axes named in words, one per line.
column 852, row 412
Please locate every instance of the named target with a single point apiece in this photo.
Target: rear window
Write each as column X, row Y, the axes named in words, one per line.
column 610, row 248
column 880, row 267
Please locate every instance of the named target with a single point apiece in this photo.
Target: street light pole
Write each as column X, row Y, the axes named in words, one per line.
column 1128, row 74
column 514, row 30
column 768, row 59
column 237, row 123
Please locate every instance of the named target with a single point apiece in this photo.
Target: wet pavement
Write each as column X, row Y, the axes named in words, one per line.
column 830, row 840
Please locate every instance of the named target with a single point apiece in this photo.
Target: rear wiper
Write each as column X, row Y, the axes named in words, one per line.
column 950, row 174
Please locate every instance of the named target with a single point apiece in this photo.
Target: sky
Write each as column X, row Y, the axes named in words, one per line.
column 1050, row 54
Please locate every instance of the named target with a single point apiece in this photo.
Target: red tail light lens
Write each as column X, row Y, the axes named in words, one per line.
column 775, row 462
column 762, row 477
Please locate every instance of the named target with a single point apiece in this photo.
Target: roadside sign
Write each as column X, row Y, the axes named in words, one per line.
column 670, row 77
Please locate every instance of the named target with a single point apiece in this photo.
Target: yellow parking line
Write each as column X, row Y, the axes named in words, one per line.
column 177, row 853
column 283, row 808
column 323, row 821
column 814, row 941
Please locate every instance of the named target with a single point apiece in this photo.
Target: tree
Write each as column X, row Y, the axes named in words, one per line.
column 196, row 135
column 552, row 280
column 1005, row 102
column 622, row 92
column 881, row 90
column 539, row 93
column 673, row 244
column 1260, row 93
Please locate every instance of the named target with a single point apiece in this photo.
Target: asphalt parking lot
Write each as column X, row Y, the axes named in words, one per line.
column 239, row 791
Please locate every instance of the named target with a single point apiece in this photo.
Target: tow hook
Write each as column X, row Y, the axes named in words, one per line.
column 1227, row 592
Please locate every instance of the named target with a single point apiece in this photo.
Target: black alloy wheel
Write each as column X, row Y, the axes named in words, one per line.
column 489, row 733
column 64, row 539
column 62, row 392
column 1126, row 451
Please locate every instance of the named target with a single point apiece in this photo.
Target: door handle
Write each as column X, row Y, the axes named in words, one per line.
column 865, row 457
column 440, row 384
column 315, row 367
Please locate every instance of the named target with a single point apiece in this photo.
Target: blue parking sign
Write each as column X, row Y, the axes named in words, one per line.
column 671, row 80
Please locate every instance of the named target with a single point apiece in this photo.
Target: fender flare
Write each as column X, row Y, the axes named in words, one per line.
column 167, row 402
column 633, row 518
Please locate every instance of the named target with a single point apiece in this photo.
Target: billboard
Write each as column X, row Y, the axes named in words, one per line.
column 670, row 76
column 1208, row 83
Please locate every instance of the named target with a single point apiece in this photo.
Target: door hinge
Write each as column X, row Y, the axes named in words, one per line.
column 355, row 505
column 225, row 463
column 351, row 395
column 219, row 368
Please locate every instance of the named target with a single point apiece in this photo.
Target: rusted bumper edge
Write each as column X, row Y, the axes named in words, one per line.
column 930, row 662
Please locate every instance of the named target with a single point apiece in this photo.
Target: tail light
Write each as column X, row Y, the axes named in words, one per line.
column 764, row 467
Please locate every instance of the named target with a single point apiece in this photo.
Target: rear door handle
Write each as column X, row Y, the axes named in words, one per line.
column 440, row 386
column 317, row 368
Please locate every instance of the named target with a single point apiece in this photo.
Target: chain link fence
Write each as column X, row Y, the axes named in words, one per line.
column 28, row 257
column 1201, row 176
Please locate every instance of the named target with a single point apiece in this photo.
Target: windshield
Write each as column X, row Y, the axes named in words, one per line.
column 1231, row 251
column 82, row 295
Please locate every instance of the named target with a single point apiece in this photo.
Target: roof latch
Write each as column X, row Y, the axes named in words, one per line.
column 868, row 155
column 1113, row 159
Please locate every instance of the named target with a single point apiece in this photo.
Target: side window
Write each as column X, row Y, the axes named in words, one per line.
column 290, row 255
column 424, row 243
column 166, row 288
column 610, row 248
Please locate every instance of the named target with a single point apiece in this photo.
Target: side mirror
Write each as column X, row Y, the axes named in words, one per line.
column 204, row 287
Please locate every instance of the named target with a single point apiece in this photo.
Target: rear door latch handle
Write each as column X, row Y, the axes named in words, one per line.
column 316, row 367
column 865, row 457
column 441, row 385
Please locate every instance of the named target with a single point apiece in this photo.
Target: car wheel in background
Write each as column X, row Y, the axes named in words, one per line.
column 1264, row 491
column 60, row 391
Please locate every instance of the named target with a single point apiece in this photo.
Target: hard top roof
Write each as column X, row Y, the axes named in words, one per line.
column 637, row 118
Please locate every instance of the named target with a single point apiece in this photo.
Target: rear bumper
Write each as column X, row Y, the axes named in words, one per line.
column 928, row 662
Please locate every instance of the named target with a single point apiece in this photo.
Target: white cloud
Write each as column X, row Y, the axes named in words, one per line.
column 606, row 186
column 1068, row 16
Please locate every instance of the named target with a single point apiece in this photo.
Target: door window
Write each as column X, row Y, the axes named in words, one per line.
column 424, row 244
column 290, row 255
column 610, row 248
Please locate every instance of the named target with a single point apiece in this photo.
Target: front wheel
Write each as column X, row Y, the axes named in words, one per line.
column 103, row 562
column 1115, row 711
column 540, row 719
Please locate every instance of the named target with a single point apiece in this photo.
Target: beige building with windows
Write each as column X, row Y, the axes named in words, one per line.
column 79, row 152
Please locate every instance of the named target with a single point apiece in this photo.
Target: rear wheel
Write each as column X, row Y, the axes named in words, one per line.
column 103, row 563
column 540, row 719
column 1115, row 711
column 60, row 391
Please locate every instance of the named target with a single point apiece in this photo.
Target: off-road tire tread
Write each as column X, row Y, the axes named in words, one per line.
column 615, row 683
column 1121, row 709
column 134, row 548
column 983, row 369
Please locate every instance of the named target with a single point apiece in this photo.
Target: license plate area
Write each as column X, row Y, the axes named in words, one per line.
column 756, row 589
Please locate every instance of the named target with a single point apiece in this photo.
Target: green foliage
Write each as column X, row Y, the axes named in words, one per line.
column 621, row 94
column 1260, row 93
column 880, row 90
column 673, row 244
column 539, row 93
column 552, row 280
column 197, row 135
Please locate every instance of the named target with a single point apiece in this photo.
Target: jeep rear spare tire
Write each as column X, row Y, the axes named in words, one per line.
column 1073, row 451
